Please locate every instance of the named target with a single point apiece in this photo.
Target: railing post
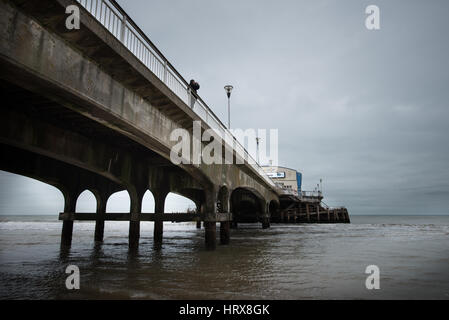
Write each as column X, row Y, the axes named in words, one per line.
column 165, row 71
column 123, row 32
column 189, row 93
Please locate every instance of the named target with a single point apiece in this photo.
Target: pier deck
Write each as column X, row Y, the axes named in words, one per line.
column 301, row 208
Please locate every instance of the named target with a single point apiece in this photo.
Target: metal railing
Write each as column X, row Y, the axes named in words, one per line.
column 118, row 23
column 325, row 206
column 289, row 191
column 306, row 194
column 312, row 194
column 301, row 194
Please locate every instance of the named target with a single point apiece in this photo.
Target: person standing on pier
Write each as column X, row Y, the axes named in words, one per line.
column 194, row 87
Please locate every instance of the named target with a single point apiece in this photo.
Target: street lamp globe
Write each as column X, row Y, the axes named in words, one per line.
column 228, row 88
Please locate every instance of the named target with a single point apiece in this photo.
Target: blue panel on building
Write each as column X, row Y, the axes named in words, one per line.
column 299, row 180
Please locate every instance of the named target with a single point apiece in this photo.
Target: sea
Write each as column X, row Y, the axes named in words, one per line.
column 285, row 262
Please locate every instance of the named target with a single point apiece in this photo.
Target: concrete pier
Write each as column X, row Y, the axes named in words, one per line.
column 83, row 112
column 159, row 205
column 134, row 223
column 225, row 232
column 67, row 225
column 101, row 214
column 309, row 211
column 210, row 235
column 66, row 234
column 265, row 223
column 134, row 234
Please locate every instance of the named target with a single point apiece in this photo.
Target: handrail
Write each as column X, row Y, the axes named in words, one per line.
column 316, row 194
column 331, row 208
column 308, row 194
column 114, row 18
column 153, row 46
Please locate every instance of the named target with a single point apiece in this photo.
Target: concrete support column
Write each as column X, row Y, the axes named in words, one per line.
column 210, row 208
column 224, row 198
column 318, row 212
column 328, row 216
column 265, row 216
column 67, row 225
column 265, row 223
column 234, row 224
column 134, row 231
column 210, row 234
column 198, row 211
column 101, row 213
column 308, row 212
column 134, row 223
column 225, row 235
column 159, row 205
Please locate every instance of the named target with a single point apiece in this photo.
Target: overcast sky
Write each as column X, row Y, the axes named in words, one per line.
column 366, row 111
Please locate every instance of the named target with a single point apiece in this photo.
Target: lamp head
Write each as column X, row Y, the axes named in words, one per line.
column 228, row 89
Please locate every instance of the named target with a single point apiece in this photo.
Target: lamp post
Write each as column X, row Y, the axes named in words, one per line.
column 228, row 89
column 257, row 150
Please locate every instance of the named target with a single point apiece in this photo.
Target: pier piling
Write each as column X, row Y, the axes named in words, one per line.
column 266, row 223
column 134, row 234
column 134, row 223
column 224, row 232
column 99, row 223
column 210, row 234
column 67, row 225
column 159, row 205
